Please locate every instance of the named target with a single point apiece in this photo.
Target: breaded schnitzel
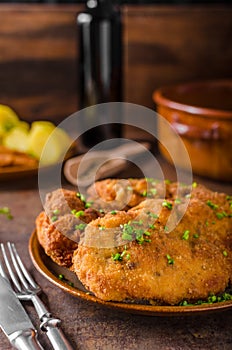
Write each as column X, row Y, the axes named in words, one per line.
column 60, row 225
column 191, row 262
column 163, row 243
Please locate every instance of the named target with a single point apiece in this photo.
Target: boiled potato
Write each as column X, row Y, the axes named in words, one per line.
column 8, row 119
column 23, row 125
column 43, row 139
column 47, row 143
column 17, row 139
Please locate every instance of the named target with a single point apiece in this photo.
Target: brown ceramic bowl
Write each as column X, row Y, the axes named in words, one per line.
column 201, row 114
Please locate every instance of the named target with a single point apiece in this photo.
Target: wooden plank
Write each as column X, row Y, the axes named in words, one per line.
column 162, row 45
column 171, row 44
column 38, row 60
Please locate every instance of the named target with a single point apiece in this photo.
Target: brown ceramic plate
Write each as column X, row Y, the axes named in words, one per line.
column 21, row 171
column 52, row 271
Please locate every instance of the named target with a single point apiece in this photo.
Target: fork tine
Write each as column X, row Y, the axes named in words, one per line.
column 10, row 270
column 16, row 266
column 3, row 272
column 20, row 263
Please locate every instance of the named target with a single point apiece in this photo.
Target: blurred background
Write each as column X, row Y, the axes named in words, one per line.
column 164, row 42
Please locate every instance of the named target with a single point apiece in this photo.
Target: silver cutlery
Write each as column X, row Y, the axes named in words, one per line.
column 14, row 320
column 27, row 290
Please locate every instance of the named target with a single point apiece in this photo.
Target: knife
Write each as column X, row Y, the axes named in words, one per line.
column 14, row 320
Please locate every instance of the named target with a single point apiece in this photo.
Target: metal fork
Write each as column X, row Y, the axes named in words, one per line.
column 27, row 289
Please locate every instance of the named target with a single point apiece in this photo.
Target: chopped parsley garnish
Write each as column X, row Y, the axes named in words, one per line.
column 194, row 184
column 150, row 193
column 170, row 260
column 221, row 215
column 88, row 204
column 78, row 213
column 225, row 253
column 152, row 215
column 153, row 191
column 54, row 218
column 81, row 226
column 152, row 226
column 186, row 235
column 210, row 300
column 113, row 212
column 212, row 205
column 133, row 231
column 62, row 278
column 120, row 256
column 6, row 211
column 167, row 204
column 81, row 196
column 177, row 200
column 56, row 212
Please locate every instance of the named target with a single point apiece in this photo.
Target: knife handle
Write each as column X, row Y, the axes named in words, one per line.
column 54, row 333
column 25, row 340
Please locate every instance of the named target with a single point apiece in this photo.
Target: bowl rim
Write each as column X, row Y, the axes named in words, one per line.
column 160, row 99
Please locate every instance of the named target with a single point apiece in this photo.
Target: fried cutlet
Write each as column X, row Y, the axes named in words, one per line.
column 140, row 258
column 59, row 227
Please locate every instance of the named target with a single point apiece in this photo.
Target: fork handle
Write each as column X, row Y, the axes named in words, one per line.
column 25, row 340
column 54, row 333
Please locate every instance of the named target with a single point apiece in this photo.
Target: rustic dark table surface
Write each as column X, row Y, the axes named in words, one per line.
column 90, row 326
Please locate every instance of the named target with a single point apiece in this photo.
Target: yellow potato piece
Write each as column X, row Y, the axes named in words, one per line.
column 16, row 139
column 8, row 119
column 23, row 125
column 47, row 143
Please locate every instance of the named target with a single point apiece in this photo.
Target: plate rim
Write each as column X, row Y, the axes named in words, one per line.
column 19, row 171
column 150, row 310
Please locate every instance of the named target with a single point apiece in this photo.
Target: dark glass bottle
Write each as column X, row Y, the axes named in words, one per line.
column 100, row 63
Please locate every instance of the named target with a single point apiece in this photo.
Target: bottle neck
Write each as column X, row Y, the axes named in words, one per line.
column 101, row 8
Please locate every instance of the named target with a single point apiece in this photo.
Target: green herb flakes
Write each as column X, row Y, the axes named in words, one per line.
column 6, row 211
column 170, row 260
column 80, row 227
column 177, row 200
column 210, row 300
column 81, row 196
column 220, row 216
column 78, row 213
column 167, row 204
column 152, row 215
column 54, row 218
column 212, row 205
column 56, row 212
column 186, row 235
column 88, row 204
column 121, row 256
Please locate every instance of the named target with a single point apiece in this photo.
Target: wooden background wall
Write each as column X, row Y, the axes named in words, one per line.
column 162, row 45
